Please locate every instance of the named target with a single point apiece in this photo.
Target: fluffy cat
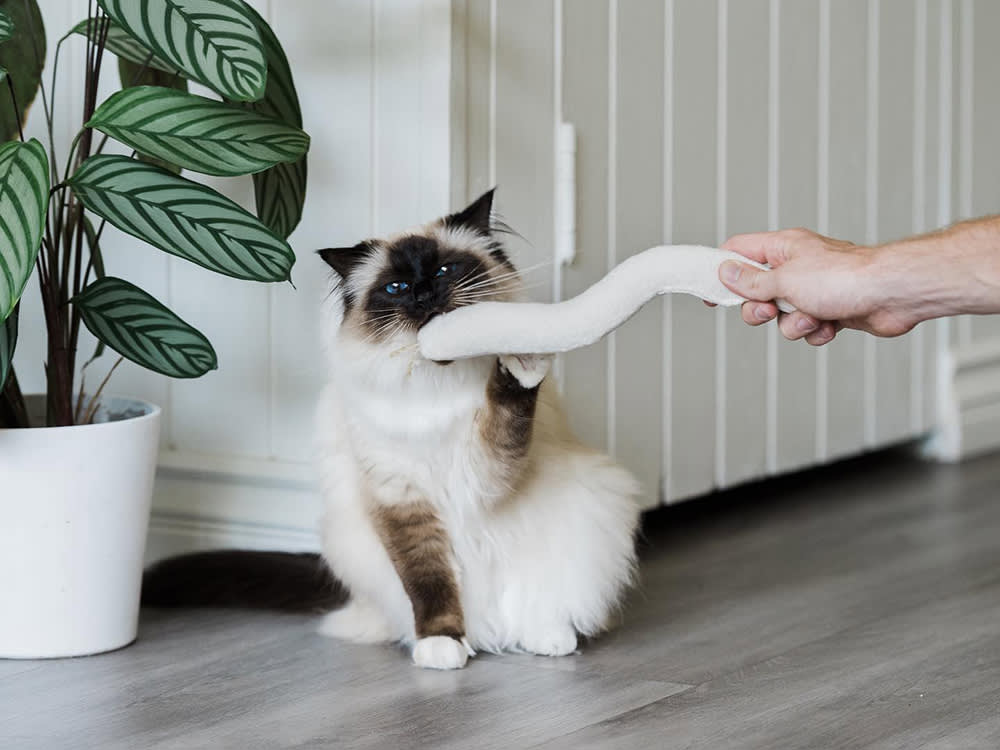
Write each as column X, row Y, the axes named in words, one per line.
column 460, row 511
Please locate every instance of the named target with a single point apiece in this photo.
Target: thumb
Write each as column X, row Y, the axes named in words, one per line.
column 748, row 281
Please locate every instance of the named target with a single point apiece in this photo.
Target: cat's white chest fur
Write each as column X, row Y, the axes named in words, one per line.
column 412, row 419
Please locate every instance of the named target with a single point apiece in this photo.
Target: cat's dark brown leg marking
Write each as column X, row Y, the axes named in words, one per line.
column 507, row 423
column 420, row 550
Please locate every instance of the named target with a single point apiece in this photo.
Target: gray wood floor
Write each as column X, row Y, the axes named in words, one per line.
column 857, row 607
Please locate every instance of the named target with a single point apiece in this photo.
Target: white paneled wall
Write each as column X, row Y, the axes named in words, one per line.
column 697, row 119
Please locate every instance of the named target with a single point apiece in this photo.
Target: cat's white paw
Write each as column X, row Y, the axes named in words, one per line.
column 528, row 369
column 441, row 652
column 550, row 641
column 357, row 621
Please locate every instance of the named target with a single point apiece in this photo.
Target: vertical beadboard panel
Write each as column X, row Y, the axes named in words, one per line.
column 692, row 329
column 846, row 210
column 925, row 215
column 746, row 211
column 797, row 158
column 478, row 95
column 941, row 211
column 985, row 179
column 964, row 81
column 396, row 90
column 525, row 136
column 332, row 57
column 638, row 205
column 666, row 414
column 585, row 104
column 226, row 410
column 895, row 199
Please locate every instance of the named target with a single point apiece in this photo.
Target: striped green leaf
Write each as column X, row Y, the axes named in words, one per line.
column 134, row 74
column 22, row 56
column 214, row 42
column 6, row 32
column 181, row 217
column 196, row 133
column 141, row 329
column 24, row 198
column 280, row 191
column 124, row 45
column 8, row 340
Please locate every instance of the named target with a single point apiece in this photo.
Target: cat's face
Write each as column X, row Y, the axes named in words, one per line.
column 394, row 286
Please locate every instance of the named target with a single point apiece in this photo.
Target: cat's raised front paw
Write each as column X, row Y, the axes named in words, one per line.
column 527, row 369
column 441, row 652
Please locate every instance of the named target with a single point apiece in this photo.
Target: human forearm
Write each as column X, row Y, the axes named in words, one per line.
column 948, row 272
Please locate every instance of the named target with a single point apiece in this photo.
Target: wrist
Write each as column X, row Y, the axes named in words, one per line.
column 927, row 277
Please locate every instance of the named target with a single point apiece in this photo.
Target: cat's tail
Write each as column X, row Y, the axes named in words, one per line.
column 291, row 582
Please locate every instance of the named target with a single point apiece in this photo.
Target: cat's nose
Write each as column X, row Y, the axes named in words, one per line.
column 424, row 298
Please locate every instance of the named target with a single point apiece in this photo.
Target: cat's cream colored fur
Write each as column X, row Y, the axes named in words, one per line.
column 538, row 560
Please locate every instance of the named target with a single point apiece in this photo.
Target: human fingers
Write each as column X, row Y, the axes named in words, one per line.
column 797, row 325
column 755, row 313
column 822, row 335
column 753, row 245
column 749, row 282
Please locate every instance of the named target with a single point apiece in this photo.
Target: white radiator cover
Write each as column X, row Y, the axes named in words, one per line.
column 693, row 119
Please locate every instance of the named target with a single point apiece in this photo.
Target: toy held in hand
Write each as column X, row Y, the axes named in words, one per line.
column 540, row 328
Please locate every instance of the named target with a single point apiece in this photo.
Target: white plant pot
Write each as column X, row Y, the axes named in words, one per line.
column 74, row 511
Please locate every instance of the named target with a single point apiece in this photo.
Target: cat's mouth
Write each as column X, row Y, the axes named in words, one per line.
column 431, row 314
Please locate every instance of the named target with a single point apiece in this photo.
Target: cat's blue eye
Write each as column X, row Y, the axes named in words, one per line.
column 396, row 287
column 445, row 269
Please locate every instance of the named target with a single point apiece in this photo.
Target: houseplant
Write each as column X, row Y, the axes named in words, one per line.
column 75, row 511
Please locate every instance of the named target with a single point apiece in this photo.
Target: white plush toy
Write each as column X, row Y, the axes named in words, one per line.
column 539, row 328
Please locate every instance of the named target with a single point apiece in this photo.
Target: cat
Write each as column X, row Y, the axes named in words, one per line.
column 460, row 511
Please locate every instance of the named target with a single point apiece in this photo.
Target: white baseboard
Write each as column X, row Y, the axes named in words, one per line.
column 968, row 420
column 211, row 502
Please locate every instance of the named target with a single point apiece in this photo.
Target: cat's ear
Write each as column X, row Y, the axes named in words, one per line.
column 343, row 260
column 474, row 216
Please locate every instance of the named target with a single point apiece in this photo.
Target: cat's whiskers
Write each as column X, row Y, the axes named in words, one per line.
column 478, row 281
column 499, row 278
column 472, row 296
column 491, row 287
column 386, row 330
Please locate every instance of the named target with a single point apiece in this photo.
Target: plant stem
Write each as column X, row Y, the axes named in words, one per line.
column 13, row 103
column 95, row 401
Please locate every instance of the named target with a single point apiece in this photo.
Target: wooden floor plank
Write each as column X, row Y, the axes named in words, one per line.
column 857, row 606
column 899, row 682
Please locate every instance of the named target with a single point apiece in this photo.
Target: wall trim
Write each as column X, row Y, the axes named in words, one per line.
column 968, row 419
column 207, row 502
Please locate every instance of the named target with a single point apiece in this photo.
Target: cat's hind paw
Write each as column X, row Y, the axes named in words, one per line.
column 358, row 622
column 550, row 641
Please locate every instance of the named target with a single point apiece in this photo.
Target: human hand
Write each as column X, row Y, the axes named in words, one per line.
column 832, row 284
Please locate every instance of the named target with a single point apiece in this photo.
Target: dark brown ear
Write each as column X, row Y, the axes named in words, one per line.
column 476, row 215
column 343, row 260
